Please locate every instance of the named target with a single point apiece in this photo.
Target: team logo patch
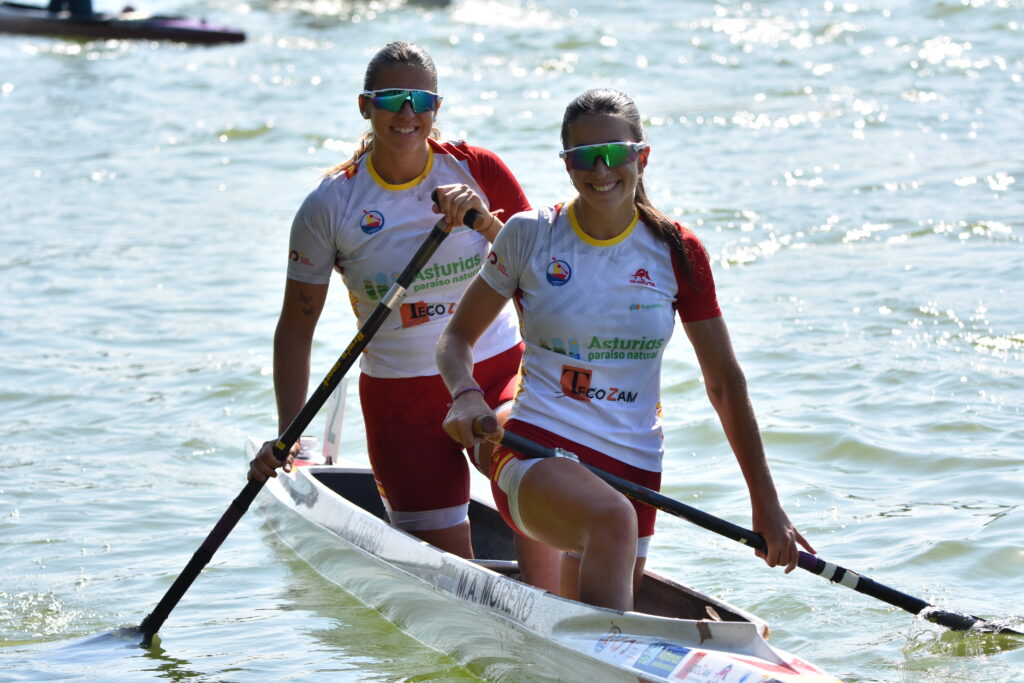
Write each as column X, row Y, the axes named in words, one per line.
column 641, row 277
column 296, row 257
column 371, row 222
column 558, row 272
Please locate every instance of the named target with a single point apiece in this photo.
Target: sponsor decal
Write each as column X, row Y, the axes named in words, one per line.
column 618, row 348
column 576, row 384
column 688, row 668
column 661, row 658
column 645, row 307
column 296, row 257
column 379, row 286
column 492, row 258
column 371, row 222
column 615, row 647
column 558, row 272
column 440, row 274
column 570, row 347
column 421, row 312
column 781, row 669
column 435, row 275
column 603, row 641
column 641, row 277
column 604, row 348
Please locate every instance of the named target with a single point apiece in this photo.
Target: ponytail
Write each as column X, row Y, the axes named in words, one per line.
column 398, row 52
column 614, row 103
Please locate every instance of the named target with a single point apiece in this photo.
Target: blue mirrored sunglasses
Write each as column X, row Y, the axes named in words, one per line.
column 392, row 99
column 615, row 154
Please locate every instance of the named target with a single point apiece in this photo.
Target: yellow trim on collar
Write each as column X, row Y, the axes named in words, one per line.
column 575, row 223
column 402, row 186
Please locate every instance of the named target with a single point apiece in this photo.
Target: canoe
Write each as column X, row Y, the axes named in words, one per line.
column 500, row 628
column 34, row 20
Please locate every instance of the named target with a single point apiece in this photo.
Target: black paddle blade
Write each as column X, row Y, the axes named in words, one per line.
column 955, row 621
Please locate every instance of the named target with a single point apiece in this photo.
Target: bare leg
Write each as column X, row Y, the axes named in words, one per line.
column 638, row 577
column 569, row 577
column 565, row 505
column 538, row 563
column 455, row 540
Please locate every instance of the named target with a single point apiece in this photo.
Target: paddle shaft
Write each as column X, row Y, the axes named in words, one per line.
column 152, row 623
column 834, row 573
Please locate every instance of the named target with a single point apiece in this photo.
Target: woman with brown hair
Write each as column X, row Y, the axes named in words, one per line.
column 597, row 283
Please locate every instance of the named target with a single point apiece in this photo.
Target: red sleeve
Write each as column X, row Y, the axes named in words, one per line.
column 504, row 194
column 700, row 302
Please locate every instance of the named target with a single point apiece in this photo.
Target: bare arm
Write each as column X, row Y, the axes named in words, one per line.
column 293, row 341
column 479, row 307
column 727, row 390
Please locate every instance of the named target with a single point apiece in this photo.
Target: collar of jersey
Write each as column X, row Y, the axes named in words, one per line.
column 402, row 186
column 575, row 223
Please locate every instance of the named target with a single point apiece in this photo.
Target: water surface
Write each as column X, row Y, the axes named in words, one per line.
column 854, row 169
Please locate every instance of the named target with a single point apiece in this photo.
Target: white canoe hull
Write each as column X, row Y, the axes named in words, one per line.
column 497, row 626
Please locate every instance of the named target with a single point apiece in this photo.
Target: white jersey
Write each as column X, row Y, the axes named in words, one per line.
column 369, row 230
column 596, row 317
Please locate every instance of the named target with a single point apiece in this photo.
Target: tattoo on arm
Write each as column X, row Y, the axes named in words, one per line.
column 306, row 309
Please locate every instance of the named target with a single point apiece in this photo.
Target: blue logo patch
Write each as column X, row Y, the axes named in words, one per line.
column 558, row 272
column 371, row 222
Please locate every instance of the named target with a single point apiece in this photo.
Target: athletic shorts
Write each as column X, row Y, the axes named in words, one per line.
column 505, row 480
column 422, row 474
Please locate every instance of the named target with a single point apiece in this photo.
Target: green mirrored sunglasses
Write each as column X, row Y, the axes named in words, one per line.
column 615, row 154
column 393, row 99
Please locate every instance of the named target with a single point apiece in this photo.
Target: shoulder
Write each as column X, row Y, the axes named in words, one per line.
column 338, row 181
column 534, row 220
column 462, row 150
column 695, row 250
column 690, row 239
column 332, row 191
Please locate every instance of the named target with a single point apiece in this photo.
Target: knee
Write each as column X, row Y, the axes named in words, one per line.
column 613, row 521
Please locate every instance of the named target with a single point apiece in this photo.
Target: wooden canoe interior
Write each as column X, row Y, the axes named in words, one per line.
column 494, row 547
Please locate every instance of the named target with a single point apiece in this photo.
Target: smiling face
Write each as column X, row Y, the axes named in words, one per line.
column 604, row 190
column 399, row 138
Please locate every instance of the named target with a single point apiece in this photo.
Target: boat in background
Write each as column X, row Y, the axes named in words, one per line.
column 34, row 20
column 499, row 627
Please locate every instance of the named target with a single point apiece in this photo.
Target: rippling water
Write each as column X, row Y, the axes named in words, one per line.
column 855, row 170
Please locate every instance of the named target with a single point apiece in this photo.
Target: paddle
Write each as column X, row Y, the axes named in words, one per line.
column 152, row 623
column 834, row 573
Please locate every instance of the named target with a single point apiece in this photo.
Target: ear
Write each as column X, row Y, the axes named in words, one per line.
column 644, row 153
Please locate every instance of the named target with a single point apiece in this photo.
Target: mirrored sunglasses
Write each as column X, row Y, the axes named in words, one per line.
column 615, row 154
column 392, row 100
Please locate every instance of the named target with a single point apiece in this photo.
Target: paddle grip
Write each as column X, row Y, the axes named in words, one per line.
column 471, row 218
column 484, row 425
